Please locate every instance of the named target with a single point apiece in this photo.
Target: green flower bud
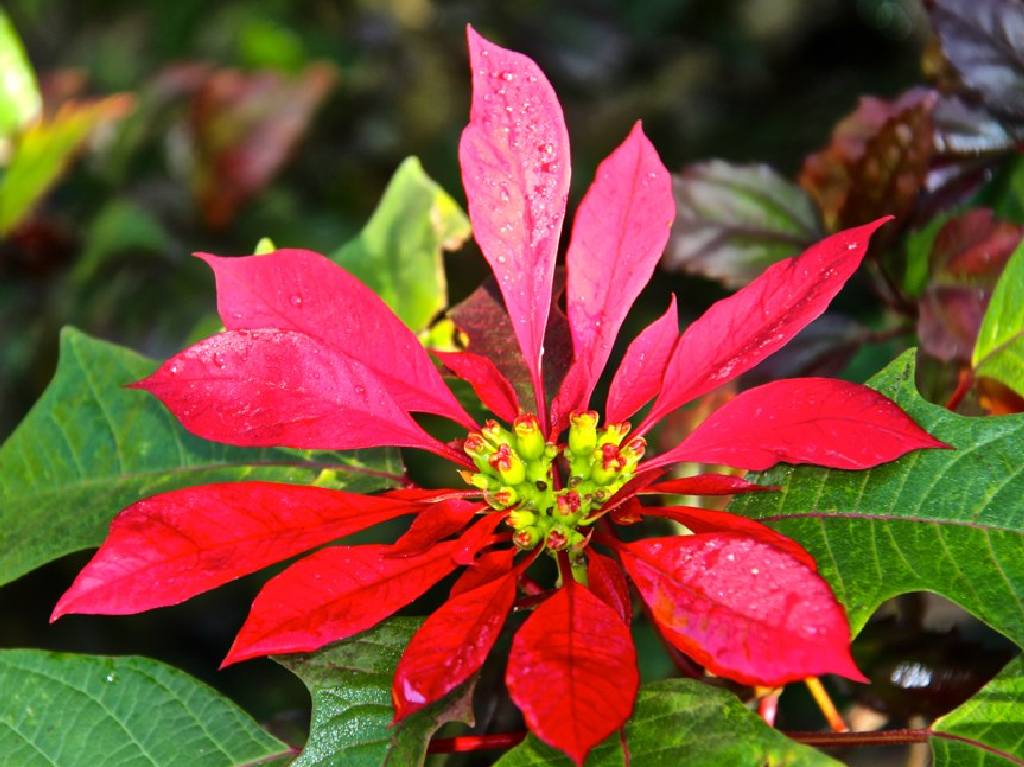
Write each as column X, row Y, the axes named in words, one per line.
column 583, row 432
column 557, row 539
column 608, row 462
column 613, row 434
column 496, row 434
column 509, row 465
column 503, row 498
column 520, row 519
column 479, row 449
column 567, row 505
column 479, row 481
column 529, row 436
column 526, row 538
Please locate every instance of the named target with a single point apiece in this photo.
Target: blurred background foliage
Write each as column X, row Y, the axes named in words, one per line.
column 167, row 128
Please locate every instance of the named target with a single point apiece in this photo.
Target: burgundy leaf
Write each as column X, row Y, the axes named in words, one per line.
column 167, row 548
column 488, row 566
column 452, row 644
column 620, row 231
column 639, row 376
column 514, row 155
column 572, row 671
column 305, row 292
column 607, row 581
column 823, row 421
column 742, row 608
column 493, row 389
column 707, row 484
column 434, row 523
column 739, row 331
column 699, row 520
column 280, row 388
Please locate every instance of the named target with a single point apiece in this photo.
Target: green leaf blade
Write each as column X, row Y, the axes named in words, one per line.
column 947, row 521
column 999, row 349
column 399, row 252
column 684, row 722
column 20, row 99
column 89, row 447
column 64, row 710
column 350, row 684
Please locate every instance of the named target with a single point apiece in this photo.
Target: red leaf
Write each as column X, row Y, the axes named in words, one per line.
column 334, row 593
column 572, row 671
column 742, row 608
column 700, row 520
column 167, row 548
column 479, row 536
column 451, row 645
column 305, row 292
column 608, row 583
column 620, row 231
column 280, row 388
column 493, row 389
column 706, row 484
column 487, row 567
column 739, row 331
column 642, row 369
column 823, row 421
column 514, row 155
column 434, row 523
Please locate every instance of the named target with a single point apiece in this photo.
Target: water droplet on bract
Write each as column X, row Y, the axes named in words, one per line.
column 507, row 76
column 110, row 677
column 502, row 259
column 296, row 299
column 730, row 557
column 546, row 148
column 174, row 369
column 852, row 246
column 360, row 389
column 755, row 571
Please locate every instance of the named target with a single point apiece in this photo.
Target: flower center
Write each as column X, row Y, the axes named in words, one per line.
column 552, row 493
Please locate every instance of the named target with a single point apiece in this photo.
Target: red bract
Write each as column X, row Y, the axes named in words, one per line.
column 310, row 358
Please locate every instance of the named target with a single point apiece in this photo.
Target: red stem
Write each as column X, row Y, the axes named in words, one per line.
column 475, row 742
column 964, row 384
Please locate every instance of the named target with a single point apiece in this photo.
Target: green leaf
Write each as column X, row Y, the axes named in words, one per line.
column 350, row 684
column 44, row 151
column 732, row 221
column 684, row 722
column 919, row 246
column 987, row 730
column 20, row 100
column 999, row 349
column 120, row 227
column 90, row 447
column 399, row 252
column 264, row 246
column 948, row 521
column 64, row 710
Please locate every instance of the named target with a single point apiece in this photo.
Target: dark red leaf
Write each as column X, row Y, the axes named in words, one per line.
column 302, row 291
column 167, row 548
column 639, row 375
column 707, row 484
column 739, row 331
column 487, row 567
column 619, row 233
column 493, row 389
column 608, row 582
column 572, row 671
column 452, row 644
column 823, row 421
column 514, row 155
column 742, row 608
column 699, row 520
column 434, row 523
column 281, row 388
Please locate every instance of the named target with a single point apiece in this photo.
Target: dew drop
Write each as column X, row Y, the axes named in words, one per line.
column 296, row 299
column 360, row 389
column 502, row 259
column 507, row 76
column 110, row 677
column 852, row 246
column 174, row 369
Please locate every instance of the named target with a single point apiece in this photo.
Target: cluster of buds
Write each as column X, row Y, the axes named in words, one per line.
column 516, row 472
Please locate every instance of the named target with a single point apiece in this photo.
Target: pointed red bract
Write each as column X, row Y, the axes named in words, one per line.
column 305, row 292
column 451, row 645
column 489, row 384
column 823, row 421
column 435, row 522
column 739, row 331
column 639, row 375
column 333, row 594
column 619, row 233
column 487, row 567
column 699, row 520
column 742, row 608
column 514, row 155
column 477, row 537
column 707, row 484
column 259, row 388
column 607, row 581
column 169, row 547
column 572, row 671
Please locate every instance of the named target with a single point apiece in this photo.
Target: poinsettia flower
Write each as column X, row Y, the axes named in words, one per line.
column 311, row 358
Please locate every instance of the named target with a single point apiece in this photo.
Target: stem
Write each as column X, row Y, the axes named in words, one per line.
column 875, row 738
column 824, row 701
column 475, row 742
column 964, row 384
